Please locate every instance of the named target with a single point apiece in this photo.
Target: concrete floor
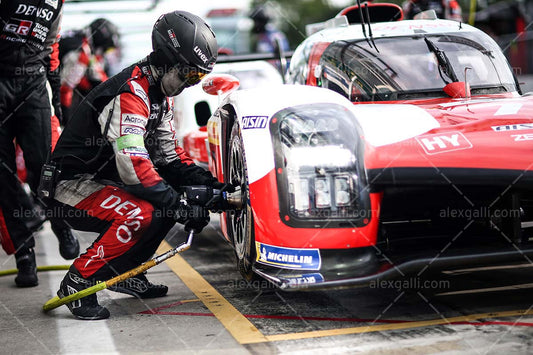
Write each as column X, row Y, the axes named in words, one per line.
column 198, row 318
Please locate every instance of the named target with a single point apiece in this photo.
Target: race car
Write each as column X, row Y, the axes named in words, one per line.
column 397, row 146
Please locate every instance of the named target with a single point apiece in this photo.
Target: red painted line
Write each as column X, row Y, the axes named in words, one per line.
column 180, row 313
column 359, row 320
column 157, row 310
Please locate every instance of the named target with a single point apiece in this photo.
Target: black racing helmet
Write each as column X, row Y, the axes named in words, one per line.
column 183, row 40
column 103, row 34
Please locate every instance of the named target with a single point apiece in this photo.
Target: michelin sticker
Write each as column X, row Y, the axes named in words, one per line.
column 288, row 258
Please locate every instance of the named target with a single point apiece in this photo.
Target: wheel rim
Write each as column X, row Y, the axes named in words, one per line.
column 239, row 218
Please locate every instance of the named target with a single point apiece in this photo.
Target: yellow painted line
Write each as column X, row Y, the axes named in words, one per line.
column 246, row 333
column 188, row 301
column 483, row 290
column 235, row 323
column 395, row 326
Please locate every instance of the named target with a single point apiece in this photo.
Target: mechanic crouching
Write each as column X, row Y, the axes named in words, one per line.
column 119, row 165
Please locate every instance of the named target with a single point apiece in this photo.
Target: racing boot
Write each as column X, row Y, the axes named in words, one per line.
column 140, row 287
column 69, row 247
column 27, row 269
column 86, row 308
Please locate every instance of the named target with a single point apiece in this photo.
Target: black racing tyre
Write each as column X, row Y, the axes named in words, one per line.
column 240, row 222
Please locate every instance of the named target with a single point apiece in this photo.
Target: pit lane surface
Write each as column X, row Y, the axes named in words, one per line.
column 209, row 309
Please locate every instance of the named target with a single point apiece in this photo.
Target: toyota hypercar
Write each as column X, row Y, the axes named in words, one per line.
column 396, row 146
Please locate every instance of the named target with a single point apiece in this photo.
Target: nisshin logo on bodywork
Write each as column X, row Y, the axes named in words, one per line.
column 512, row 127
column 304, row 279
column 443, row 142
column 288, row 258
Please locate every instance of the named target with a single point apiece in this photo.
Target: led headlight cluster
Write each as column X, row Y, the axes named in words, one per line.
column 319, row 171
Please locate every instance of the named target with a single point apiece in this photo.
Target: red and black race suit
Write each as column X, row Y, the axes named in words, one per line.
column 28, row 60
column 120, row 164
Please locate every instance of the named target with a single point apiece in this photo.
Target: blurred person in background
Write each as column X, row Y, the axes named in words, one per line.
column 85, row 55
column 29, row 99
column 266, row 38
column 445, row 9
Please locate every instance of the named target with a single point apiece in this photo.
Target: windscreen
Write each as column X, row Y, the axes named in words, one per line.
column 417, row 66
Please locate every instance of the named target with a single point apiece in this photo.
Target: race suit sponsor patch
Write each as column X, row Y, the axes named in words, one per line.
column 288, row 258
column 137, row 152
column 19, row 27
column 251, row 122
column 134, row 120
column 126, row 129
column 513, row 127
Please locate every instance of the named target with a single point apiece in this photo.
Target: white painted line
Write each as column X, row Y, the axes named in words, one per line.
column 95, row 335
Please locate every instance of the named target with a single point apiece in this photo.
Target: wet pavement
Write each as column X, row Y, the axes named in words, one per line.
column 210, row 309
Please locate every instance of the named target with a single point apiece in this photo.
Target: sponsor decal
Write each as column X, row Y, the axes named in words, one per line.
column 442, row 143
column 512, row 127
column 124, row 208
column 252, row 122
column 508, row 109
column 154, row 112
column 173, row 38
column 134, row 120
column 139, row 91
column 288, row 258
column 200, row 54
column 304, row 279
column 30, row 10
column 131, row 130
column 146, row 71
column 19, row 27
column 40, row 32
column 99, row 255
column 136, row 151
column 52, row 3
column 141, row 155
column 522, row 137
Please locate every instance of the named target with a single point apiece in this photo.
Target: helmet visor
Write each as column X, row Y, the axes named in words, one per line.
column 190, row 76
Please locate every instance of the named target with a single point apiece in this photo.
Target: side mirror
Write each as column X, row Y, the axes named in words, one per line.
column 458, row 89
column 218, row 84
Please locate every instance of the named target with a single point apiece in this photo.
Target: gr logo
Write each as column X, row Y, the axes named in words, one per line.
column 20, row 27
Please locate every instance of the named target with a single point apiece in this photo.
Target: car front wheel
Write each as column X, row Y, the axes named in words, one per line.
column 240, row 222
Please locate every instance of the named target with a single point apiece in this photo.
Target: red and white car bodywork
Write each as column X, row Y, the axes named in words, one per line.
column 373, row 176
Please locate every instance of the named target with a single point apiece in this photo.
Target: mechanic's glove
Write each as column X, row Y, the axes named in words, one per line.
column 193, row 217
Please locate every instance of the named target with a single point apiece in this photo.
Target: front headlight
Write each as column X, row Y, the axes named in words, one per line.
column 319, row 166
